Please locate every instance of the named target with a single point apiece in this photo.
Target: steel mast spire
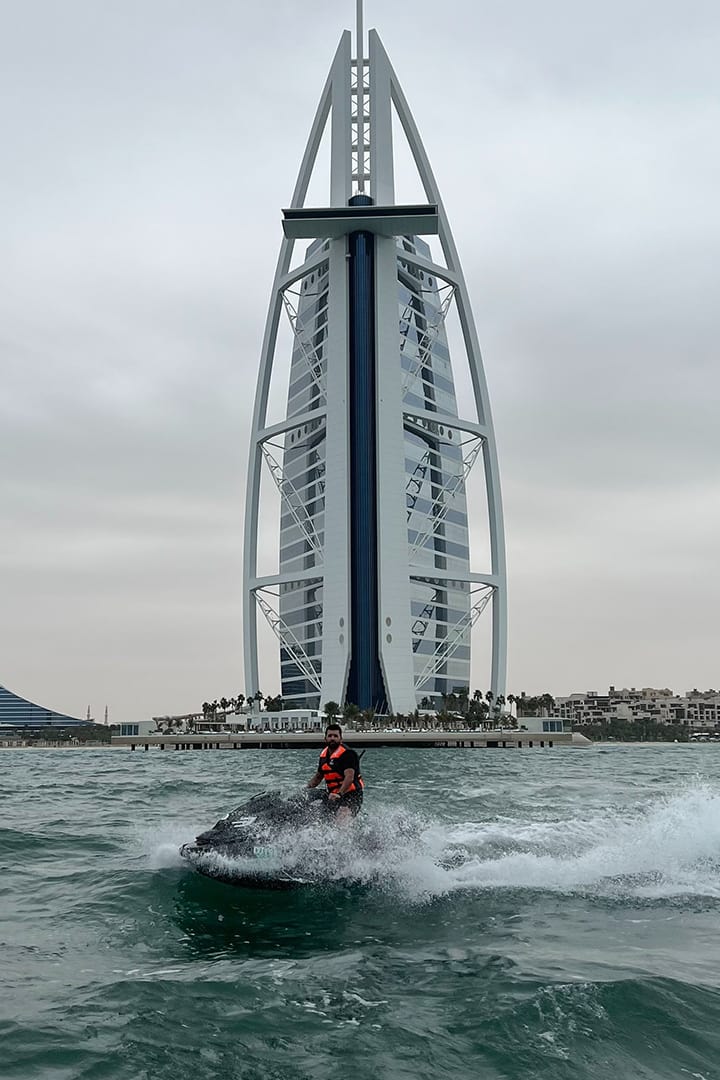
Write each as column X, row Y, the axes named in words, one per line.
column 360, row 70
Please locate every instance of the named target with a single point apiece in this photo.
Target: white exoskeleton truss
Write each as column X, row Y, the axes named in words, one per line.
column 307, row 454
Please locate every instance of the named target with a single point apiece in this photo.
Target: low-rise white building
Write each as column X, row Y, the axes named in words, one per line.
column 542, row 725
column 139, row 727
column 254, row 720
column 287, row 720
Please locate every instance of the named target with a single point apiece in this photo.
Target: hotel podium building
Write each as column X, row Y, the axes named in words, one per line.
column 375, row 593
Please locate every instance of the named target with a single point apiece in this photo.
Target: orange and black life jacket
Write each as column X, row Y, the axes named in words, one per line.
column 329, row 768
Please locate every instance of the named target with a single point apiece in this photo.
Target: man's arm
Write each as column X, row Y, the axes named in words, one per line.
column 348, row 780
column 317, row 779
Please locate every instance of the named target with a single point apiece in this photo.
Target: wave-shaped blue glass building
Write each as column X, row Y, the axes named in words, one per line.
column 18, row 712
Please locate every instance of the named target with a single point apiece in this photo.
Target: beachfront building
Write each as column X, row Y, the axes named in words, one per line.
column 138, row 727
column 286, row 720
column 376, row 590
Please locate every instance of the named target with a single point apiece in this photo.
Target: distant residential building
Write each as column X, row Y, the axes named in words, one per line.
column 698, row 709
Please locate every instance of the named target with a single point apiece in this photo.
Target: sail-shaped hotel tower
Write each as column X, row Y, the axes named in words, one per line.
column 375, row 593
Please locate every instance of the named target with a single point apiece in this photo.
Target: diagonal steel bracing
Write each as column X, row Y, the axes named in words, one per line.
column 427, row 334
column 416, row 481
column 442, row 502
column 294, row 500
column 423, row 620
column 312, row 353
column 288, row 641
column 449, row 645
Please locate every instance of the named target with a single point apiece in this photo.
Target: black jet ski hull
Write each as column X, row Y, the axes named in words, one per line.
column 237, row 849
column 282, row 843
column 239, row 879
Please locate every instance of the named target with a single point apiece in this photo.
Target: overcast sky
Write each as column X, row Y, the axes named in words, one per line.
column 146, row 148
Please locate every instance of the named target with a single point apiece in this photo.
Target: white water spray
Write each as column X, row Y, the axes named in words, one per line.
column 668, row 847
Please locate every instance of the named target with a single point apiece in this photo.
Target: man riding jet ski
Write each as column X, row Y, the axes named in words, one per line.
column 339, row 767
column 258, row 844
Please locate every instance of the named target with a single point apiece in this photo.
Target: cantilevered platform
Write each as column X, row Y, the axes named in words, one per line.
column 309, row 223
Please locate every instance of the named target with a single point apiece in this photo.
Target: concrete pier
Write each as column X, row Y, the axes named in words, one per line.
column 284, row 740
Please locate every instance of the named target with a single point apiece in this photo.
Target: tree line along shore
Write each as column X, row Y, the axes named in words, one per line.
column 477, row 706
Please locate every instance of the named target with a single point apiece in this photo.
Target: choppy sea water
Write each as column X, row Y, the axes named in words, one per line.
column 554, row 915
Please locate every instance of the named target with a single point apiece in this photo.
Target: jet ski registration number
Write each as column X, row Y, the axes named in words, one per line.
column 264, row 852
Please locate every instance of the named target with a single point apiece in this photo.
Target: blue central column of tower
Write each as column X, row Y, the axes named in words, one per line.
column 365, row 681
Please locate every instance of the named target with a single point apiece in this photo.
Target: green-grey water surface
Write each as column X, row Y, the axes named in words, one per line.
column 555, row 916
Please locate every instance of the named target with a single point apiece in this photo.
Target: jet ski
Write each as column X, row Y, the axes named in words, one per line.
column 254, row 845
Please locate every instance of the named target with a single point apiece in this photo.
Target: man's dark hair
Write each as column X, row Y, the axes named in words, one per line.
column 333, row 727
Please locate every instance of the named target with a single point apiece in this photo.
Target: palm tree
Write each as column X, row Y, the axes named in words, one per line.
column 547, row 701
column 350, row 712
column 331, row 710
column 489, row 697
column 444, row 719
column 464, row 699
column 368, row 716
